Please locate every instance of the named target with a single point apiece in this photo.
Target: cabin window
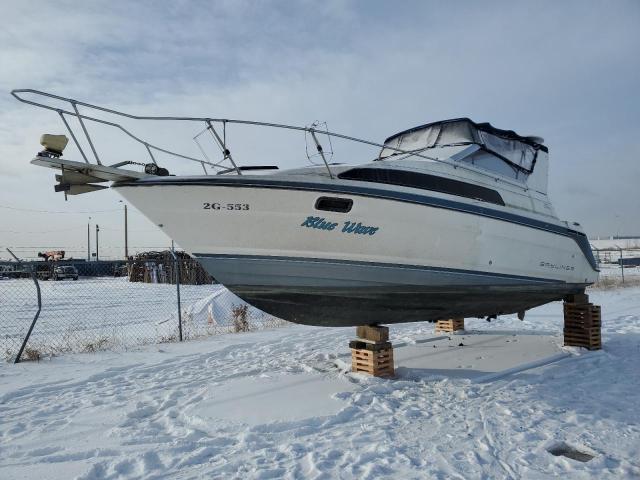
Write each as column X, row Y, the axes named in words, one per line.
column 503, row 151
column 334, row 204
column 423, row 181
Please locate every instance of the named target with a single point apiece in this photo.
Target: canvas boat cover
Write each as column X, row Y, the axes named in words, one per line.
column 518, row 151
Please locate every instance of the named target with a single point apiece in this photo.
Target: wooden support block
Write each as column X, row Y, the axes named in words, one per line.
column 378, row 363
column 584, row 315
column 372, row 353
column 374, row 333
column 450, row 326
column 582, row 325
column 588, row 338
column 579, row 298
column 371, row 346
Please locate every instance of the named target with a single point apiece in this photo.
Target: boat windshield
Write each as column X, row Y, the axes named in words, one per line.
column 518, row 152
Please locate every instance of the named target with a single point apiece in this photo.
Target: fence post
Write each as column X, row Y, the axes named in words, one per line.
column 34, row 276
column 177, row 270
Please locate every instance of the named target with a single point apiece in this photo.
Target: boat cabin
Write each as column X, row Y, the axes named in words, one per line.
column 491, row 150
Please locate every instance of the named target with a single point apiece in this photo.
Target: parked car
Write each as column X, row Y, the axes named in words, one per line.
column 44, row 270
column 67, row 271
column 6, row 271
column 121, row 271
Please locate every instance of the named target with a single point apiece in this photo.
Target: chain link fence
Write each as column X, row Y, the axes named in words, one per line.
column 93, row 306
column 154, row 298
column 618, row 266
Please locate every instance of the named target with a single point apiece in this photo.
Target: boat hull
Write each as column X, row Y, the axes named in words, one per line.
column 330, row 293
column 376, row 305
column 387, row 260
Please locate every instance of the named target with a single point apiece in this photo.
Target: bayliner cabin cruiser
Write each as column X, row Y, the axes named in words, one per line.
column 450, row 219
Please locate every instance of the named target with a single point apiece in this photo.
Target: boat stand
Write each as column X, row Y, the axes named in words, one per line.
column 450, row 326
column 582, row 322
column 372, row 352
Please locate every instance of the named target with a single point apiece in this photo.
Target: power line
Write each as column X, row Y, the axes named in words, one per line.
column 81, row 248
column 57, row 212
column 83, row 227
column 44, row 231
column 120, row 229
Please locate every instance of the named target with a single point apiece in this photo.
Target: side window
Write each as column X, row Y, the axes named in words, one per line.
column 334, row 204
column 423, row 181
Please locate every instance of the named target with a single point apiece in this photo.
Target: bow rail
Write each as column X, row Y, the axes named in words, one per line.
column 207, row 121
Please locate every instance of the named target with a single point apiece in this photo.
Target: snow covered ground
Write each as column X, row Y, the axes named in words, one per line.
column 613, row 271
column 276, row 404
column 109, row 313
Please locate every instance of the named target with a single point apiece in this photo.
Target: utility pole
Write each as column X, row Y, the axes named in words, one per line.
column 126, row 231
column 97, row 234
column 126, row 234
column 88, row 241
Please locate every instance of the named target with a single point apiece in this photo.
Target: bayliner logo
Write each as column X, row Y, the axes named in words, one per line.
column 556, row 266
column 321, row 223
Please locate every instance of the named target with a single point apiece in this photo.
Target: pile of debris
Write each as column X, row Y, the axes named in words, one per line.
column 160, row 267
column 53, row 255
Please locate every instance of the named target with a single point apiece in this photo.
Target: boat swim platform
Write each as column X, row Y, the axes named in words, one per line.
column 478, row 356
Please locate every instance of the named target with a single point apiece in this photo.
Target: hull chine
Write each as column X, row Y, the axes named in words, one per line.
column 343, row 293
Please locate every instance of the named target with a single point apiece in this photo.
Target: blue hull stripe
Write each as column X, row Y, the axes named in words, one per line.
column 578, row 237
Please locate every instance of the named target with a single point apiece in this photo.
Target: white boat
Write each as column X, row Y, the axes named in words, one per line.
column 451, row 219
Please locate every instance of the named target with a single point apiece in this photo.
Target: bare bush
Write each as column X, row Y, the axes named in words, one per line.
column 609, row 283
column 168, row 338
column 96, row 345
column 31, row 354
column 240, row 321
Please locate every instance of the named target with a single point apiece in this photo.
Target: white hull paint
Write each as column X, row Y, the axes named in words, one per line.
column 407, row 233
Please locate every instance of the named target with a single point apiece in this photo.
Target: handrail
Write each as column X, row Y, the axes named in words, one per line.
column 62, row 111
column 207, row 120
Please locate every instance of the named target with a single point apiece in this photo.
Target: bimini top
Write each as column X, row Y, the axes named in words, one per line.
column 518, row 151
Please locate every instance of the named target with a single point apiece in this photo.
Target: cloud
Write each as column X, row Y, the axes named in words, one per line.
column 563, row 70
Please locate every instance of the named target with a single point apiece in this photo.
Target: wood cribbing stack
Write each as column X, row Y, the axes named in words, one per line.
column 449, row 326
column 372, row 353
column 582, row 322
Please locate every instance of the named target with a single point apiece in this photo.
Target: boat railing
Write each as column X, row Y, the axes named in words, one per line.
column 226, row 165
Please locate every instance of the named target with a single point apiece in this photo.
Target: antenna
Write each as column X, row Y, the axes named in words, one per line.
column 320, row 151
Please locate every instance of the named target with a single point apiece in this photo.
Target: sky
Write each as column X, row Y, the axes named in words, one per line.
column 567, row 71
